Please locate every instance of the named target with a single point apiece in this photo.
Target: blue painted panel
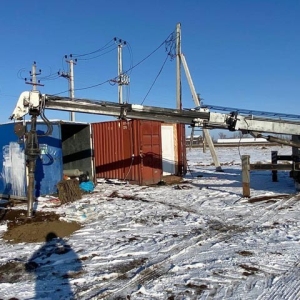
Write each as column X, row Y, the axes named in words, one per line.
column 49, row 166
column 12, row 163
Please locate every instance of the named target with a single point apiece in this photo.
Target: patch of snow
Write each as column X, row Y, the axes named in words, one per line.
column 202, row 242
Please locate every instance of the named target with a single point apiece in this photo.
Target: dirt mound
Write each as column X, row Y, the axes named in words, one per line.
column 172, row 179
column 30, row 230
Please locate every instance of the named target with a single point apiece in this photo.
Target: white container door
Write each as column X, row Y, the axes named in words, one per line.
column 168, row 153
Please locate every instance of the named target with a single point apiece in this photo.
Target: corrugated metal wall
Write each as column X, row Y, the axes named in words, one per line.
column 135, row 170
column 128, row 150
column 108, row 139
column 132, row 150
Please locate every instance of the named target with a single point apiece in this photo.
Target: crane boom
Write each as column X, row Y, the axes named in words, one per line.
column 130, row 111
column 232, row 121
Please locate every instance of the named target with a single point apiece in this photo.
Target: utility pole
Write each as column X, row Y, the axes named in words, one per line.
column 178, row 67
column 196, row 99
column 70, row 76
column 120, row 71
column 33, row 81
column 122, row 79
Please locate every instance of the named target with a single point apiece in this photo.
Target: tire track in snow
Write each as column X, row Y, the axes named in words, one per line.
column 251, row 222
column 181, row 252
column 155, row 269
column 286, row 287
column 272, row 214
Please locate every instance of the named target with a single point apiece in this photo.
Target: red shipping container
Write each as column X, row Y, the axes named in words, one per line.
column 132, row 150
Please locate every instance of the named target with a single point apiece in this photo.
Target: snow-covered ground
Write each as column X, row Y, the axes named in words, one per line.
column 197, row 240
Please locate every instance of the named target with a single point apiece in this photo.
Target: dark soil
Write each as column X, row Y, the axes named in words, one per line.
column 268, row 198
column 172, row 179
column 30, row 230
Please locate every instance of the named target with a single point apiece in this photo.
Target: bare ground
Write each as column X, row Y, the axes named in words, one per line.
column 30, row 230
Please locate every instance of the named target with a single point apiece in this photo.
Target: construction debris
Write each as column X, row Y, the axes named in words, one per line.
column 69, row 191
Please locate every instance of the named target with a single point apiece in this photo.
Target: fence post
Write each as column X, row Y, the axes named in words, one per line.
column 274, row 162
column 246, row 175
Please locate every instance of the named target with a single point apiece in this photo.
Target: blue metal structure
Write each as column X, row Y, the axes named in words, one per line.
column 49, row 166
column 12, row 163
column 68, row 147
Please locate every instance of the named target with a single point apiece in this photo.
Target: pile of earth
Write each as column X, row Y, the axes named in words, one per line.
column 21, row 229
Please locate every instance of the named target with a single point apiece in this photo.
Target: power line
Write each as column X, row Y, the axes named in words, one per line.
column 51, row 76
column 63, row 60
column 156, row 78
column 19, row 74
column 83, row 88
column 170, row 45
column 168, row 41
column 127, row 93
column 95, row 51
column 98, row 55
column 130, row 56
column 92, row 86
column 165, row 41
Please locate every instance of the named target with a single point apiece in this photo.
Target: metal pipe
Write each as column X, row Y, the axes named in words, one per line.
column 30, row 189
column 32, row 152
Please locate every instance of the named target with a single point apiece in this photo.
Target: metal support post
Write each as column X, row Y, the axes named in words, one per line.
column 204, row 141
column 192, row 138
column 32, row 152
column 206, row 134
column 30, row 188
column 212, row 150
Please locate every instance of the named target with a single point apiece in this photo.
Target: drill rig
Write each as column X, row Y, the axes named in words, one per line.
column 259, row 124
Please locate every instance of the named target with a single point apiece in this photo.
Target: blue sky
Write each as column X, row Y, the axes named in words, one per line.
column 243, row 54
